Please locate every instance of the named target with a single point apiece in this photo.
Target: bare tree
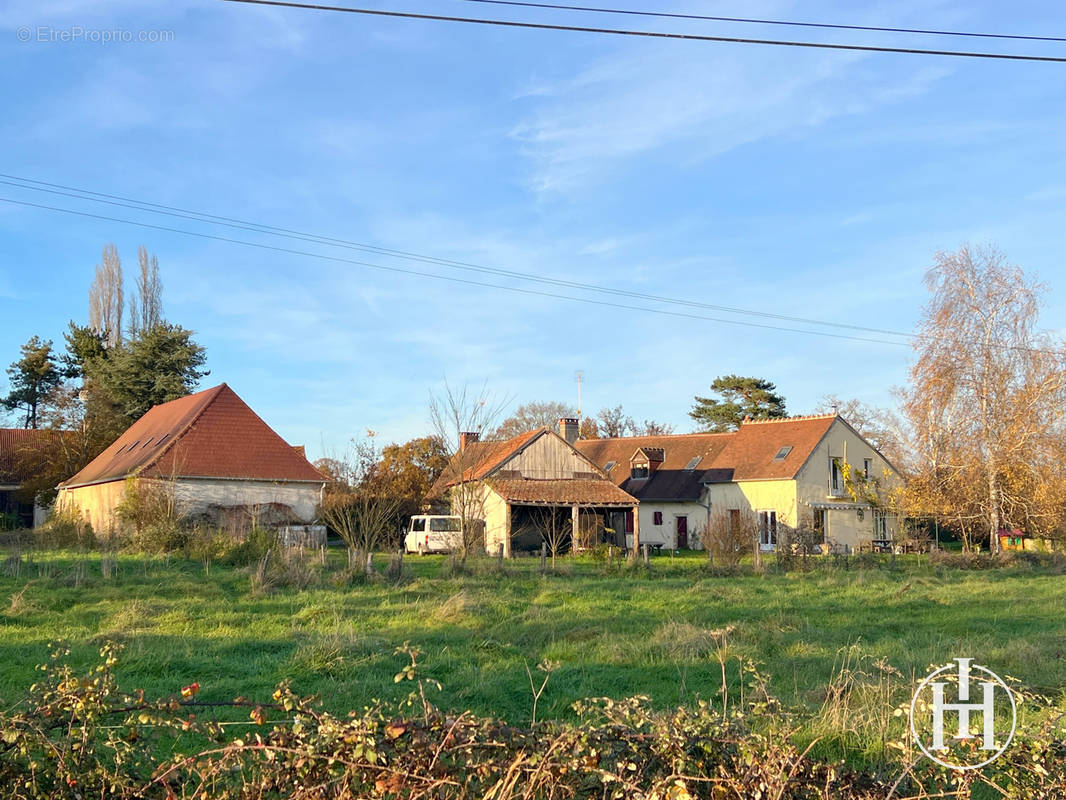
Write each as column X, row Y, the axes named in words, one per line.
column 106, row 298
column 146, row 304
column 556, row 528
column 357, row 503
column 881, row 427
column 614, row 423
column 652, row 428
column 986, row 399
column 457, row 416
column 530, row 417
column 729, row 534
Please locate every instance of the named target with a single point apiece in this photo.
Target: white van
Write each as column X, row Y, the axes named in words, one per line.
column 433, row 534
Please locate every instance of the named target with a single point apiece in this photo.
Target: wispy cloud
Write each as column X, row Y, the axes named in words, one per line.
column 701, row 100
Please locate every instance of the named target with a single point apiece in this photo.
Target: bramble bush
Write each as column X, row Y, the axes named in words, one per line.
column 80, row 736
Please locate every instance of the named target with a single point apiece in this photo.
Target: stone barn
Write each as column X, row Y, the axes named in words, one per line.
column 211, row 455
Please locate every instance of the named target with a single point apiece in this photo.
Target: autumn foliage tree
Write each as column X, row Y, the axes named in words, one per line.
column 408, row 470
column 985, row 402
column 358, row 504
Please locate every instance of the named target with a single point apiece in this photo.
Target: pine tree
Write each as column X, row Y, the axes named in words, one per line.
column 740, row 397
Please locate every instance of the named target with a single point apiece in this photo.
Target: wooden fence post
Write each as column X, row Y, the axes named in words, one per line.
column 543, row 556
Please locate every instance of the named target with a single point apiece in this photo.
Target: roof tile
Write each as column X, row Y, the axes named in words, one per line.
column 210, row 434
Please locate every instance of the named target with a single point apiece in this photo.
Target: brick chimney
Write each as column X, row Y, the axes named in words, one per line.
column 467, row 437
column 568, row 429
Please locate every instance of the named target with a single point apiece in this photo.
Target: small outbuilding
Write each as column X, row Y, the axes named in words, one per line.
column 532, row 488
column 210, row 454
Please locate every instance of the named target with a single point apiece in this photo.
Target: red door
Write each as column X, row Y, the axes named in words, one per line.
column 682, row 533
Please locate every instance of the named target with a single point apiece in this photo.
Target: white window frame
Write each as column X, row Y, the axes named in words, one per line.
column 836, row 477
column 768, row 528
column 880, row 524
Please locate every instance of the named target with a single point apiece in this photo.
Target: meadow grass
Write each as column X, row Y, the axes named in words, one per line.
column 654, row 632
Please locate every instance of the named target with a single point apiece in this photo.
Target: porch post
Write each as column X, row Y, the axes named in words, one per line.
column 575, row 522
column 507, row 532
column 636, row 528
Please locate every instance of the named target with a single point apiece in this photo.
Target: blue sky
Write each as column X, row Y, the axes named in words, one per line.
column 800, row 182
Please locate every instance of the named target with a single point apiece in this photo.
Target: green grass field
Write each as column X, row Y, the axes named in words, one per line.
column 612, row 634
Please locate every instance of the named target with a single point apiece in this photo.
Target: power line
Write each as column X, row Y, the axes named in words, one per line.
column 517, row 289
column 230, row 222
column 652, row 34
column 789, row 23
column 450, row 278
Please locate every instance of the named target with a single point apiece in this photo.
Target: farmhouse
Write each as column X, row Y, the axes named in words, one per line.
column 532, row 485
column 14, row 504
column 813, row 471
column 210, row 454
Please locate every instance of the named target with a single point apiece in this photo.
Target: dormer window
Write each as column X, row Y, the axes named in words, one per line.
column 782, row 454
column 639, row 471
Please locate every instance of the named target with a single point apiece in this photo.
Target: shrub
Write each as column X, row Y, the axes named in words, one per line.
column 251, row 549
column 160, row 536
column 66, row 530
column 284, row 568
column 729, row 535
column 79, row 736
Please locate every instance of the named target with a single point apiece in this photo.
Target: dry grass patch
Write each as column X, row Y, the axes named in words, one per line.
column 20, row 604
column 456, row 608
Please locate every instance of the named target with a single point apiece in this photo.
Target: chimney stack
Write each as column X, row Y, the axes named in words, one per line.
column 568, row 429
column 465, row 438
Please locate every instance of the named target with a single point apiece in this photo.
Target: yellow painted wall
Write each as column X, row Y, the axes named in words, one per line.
column 792, row 499
column 97, row 503
column 665, row 534
column 812, row 485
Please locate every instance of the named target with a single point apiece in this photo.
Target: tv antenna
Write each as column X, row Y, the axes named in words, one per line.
column 579, row 375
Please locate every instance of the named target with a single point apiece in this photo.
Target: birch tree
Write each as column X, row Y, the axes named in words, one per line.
column 985, row 400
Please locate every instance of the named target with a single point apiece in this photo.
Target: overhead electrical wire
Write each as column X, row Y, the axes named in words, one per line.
column 484, row 284
column 652, row 34
column 758, row 21
column 450, row 278
column 289, row 233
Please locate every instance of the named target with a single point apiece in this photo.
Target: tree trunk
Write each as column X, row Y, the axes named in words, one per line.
column 993, row 510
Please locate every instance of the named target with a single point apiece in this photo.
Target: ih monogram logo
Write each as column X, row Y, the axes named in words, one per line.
column 993, row 693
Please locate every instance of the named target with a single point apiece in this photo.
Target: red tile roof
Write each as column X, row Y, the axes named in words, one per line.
column 745, row 454
column 14, row 441
column 482, row 460
column 210, row 434
column 561, row 491
column 478, row 459
column 749, row 455
column 670, row 481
